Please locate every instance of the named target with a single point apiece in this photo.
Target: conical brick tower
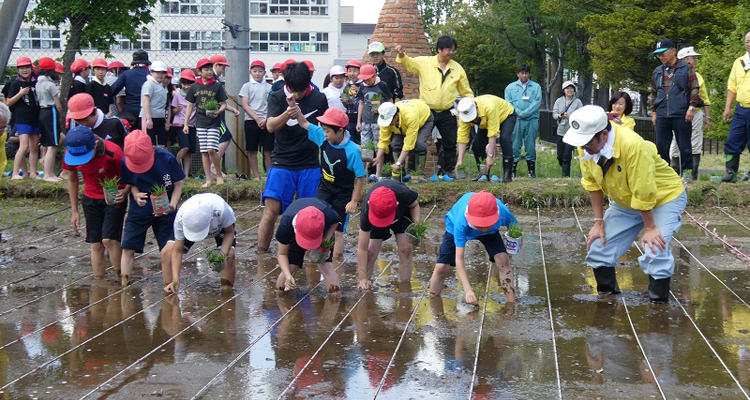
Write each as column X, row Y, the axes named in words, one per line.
column 401, row 23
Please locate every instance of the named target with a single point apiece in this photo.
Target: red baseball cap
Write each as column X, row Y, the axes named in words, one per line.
column 309, row 65
column 354, row 63
column 219, row 60
column 80, row 106
column 203, row 62
column 382, row 207
column 285, row 63
column 23, row 62
column 309, row 225
column 79, row 65
column 276, row 66
column 257, row 63
column 482, row 210
column 170, row 72
column 116, row 64
column 59, row 68
column 367, row 71
column 334, row 117
column 139, row 153
column 187, row 74
column 46, row 63
column 99, row 63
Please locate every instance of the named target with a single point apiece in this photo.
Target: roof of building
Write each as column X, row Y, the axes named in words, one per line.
column 357, row 28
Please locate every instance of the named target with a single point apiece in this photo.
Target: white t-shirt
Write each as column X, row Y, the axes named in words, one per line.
column 222, row 214
column 333, row 95
column 257, row 97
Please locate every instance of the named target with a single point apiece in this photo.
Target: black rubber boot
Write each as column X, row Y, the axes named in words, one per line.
column 515, row 166
column 508, row 170
column 606, row 280
column 696, row 165
column 658, row 290
column 532, row 168
column 732, row 166
column 566, row 169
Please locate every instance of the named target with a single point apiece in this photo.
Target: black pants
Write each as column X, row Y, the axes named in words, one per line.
column 564, row 152
column 447, row 125
column 506, row 139
column 683, row 132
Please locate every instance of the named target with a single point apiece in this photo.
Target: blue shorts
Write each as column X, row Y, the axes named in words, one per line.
column 25, row 129
column 282, row 184
column 136, row 226
column 493, row 243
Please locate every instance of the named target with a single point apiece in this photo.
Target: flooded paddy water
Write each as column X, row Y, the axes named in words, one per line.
column 65, row 335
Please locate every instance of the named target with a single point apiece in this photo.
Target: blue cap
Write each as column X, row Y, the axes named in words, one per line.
column 81, row 144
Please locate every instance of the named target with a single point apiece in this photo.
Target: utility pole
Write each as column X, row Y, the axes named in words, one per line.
column 237, row 47
column 11, row 16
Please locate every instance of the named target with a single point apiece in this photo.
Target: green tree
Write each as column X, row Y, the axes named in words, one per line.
column 91, row 23
column 436, row 12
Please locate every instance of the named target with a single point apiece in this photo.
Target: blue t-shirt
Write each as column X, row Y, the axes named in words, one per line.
column 165, row 171
column 340, row 164
column 456, row 224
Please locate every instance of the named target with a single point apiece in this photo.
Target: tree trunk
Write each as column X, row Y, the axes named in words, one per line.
column 72, row 46
column 645, row 105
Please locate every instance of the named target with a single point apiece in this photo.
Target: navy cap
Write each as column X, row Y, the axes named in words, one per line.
column 81, row 144
column 664, row 45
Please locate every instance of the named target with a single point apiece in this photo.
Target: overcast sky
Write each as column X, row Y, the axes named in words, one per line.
column 366, row 11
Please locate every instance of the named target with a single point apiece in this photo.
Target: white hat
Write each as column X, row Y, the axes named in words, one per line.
column 687, row 52
column 585, row 122
column 196, row 219
column 337, row 70
column 158, row 66
column 387, row 111
column 467, row 109
column 569, row 83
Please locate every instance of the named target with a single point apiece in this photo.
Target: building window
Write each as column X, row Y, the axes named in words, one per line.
column 193, row 7
column 295, row 42
column 288, row 7
column 142, row 42
column 30, row 38
column 191, row 40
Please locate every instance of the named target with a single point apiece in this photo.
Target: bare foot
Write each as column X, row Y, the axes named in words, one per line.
column 256, row 179
column 207, row 184
column 17, row 177
column 52, row 179
column 33, row 175
column 219, row 180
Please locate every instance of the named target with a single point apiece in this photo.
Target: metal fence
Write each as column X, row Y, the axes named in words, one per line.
column 643, row 126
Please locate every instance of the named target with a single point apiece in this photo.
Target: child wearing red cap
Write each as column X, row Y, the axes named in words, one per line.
column 50, row 109
column 254, row 99
column 98, row 88
column 188, row 142
column 388, row 207
column 83, row 111
column 20, row 96
column 143, row 167
column 371, row 89
column 207, row 123
column 341, row 166
column 303, row 226
column 474, row 216
column 351, row 87
column 81, row 70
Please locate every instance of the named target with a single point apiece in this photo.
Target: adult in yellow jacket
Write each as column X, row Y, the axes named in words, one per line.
column 738, row 88
column 440, row 79
column 406, row 126
column 644, row 192
column 494, row 116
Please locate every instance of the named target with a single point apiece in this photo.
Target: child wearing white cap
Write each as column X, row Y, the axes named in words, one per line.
column 335, row 89
column 204, row 216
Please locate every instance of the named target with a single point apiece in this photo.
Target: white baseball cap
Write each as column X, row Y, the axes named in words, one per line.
column 569, row 83
column 337, row 70
column 386, row 111
column 585, row 122
column 158, row 66
column 196, row 219
column 687, row 52
column 467, row 109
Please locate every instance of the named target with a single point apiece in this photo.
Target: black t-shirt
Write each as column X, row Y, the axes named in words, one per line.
column 292, row 149
column 77, row 87
column 366, row 94
column 404, row 196
column 285, row 231
column 199, row 95
column 112, row 128
column 102, row 95
column 25, row 110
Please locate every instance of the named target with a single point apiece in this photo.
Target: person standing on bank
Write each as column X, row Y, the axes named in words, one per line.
column 738, row 88
column 387, row 73
column 439, row 79
column 526, row 97
column 564, row 106
column 675, row 94
column 132, row 81
column 644, row 192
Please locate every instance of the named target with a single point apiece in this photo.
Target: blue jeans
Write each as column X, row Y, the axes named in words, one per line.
column 621, row 228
